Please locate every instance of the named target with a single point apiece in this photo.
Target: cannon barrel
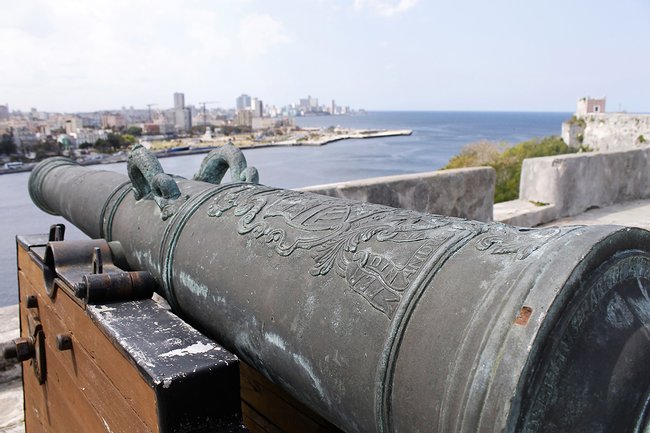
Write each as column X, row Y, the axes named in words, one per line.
column 384, row 319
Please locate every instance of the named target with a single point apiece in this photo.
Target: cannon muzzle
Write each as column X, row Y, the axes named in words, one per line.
column 384, row 319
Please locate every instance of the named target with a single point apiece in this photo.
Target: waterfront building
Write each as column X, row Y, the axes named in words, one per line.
column 89, row 136
column 24, row 139
column 73, row 124
column 263, row 123
column 112, row 121
column 245, row 118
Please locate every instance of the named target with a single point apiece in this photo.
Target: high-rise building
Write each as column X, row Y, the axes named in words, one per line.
column 4, row 112
column 313, row 103
column 179, row 100
column 182, row 115
column 183, row 119
column 258, row 107
column 243, row 102
column 309, row 104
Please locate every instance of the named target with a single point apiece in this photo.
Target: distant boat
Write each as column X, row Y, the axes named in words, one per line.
column 13, row 165
column 178, row 149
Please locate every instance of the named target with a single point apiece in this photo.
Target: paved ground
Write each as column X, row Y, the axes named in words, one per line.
column 11, row 390
column 634, row 213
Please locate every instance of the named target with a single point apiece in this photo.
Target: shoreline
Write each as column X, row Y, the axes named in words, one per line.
column 207, row 146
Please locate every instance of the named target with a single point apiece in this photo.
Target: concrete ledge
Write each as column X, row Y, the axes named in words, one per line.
column 578, row 182
column 11, row 407
column 523, row 213
column 466, row 192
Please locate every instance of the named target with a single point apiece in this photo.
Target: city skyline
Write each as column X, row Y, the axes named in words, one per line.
column 302, row 106
column 76, row 56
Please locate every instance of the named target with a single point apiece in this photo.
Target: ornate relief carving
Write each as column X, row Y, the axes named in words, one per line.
column 338, row 235
column 505, row 239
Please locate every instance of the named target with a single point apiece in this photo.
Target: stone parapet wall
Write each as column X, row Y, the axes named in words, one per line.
column 465, row 192
column 577, row 182
column 608, row 131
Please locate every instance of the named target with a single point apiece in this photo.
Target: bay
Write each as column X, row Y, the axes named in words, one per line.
column 437, row 136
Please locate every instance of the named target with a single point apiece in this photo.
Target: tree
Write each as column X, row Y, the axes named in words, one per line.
column 115, row 141
column 197, row 130
column 136, row 131
column 128, row 140
column 46, row 148
column 234, row 129
column 102, row 145
column 7, row 145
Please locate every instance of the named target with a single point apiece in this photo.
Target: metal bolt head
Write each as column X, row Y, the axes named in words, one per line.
column 63, row 342
column 9, row 351
column 21, row 349
column 31, row 301
column 80, row 290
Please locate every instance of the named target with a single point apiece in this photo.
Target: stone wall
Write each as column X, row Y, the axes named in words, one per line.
column 574, row 183
column 465, row 192
column 608, row 131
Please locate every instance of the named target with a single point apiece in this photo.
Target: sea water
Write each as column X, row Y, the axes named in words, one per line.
column 437, row 136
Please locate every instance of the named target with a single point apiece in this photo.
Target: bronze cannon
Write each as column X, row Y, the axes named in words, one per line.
column 384, row 319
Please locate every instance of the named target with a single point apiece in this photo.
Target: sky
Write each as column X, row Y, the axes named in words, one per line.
column 497, row 55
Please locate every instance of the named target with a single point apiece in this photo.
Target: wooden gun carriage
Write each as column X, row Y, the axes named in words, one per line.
column 114, row 360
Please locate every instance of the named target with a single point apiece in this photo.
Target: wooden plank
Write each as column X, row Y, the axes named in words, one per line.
column 37, row 417
column 255, row 422
column 79, row 369
column 66, row 405
column 265, row 403
column 123, row 374
column 33, row 421
column 32, row 270
column 51, row 408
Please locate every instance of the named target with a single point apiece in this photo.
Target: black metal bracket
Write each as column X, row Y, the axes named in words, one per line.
column 86, row 269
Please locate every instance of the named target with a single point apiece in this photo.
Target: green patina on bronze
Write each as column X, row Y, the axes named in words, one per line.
column 151, row 182
column 214, row 166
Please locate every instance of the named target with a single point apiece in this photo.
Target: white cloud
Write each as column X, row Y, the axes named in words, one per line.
column 259, row 34
column 386, row 8
column 107, row 50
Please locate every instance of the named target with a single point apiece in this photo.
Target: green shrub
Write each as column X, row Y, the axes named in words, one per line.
column 579, row 121
column 476, row 154
column 507, row 161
